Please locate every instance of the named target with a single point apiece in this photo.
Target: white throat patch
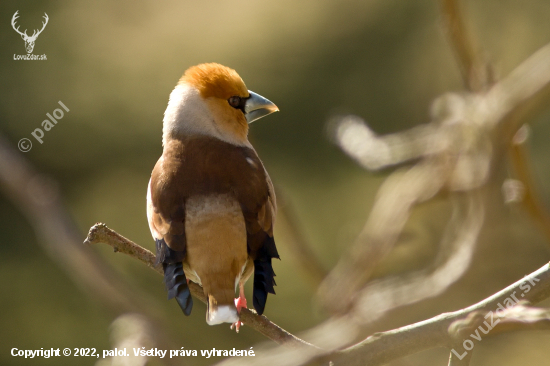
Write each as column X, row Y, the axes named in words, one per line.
column 187, row 114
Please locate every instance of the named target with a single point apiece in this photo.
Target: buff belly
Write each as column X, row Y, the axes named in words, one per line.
column 216, row 251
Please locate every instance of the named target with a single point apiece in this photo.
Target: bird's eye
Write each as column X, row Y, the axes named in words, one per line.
column 235, row 102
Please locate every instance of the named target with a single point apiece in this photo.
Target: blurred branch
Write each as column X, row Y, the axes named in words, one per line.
column 462, row 143
column 37, row 197
column 381, row 348
column 530, row 200
column 329, row 336
column 475, row 75
column 474, row 71
column 457, row 248
column 384, row 347
column 299, row 246
column 456, row 361
column 100, row 233
column 374, row 152
column 519, row 96
column 518, row 317
column 390, row 212
column 129, row 331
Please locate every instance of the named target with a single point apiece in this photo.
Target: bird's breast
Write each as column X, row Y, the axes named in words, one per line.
column 216, row 237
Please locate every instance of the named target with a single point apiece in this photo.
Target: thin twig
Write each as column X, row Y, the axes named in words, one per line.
column 100, row 233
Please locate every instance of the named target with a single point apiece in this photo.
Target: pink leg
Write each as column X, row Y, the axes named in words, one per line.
column 240, row 303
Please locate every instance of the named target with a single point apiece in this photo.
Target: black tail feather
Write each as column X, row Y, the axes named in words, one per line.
column 263, row 284
column 264, row 281
column 176, row 284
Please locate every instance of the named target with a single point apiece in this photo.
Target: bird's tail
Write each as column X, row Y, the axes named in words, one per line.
column 177, row 287
column 264, row 280
column 217, row 314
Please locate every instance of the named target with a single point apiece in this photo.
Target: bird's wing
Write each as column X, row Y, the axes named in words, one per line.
column 166, row 207
column 260, row 216
column 166, row 216
column 263, row 270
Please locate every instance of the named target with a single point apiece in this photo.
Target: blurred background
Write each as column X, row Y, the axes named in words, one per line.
column 114, row 64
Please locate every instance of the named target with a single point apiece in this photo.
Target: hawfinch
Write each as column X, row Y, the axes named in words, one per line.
column 210, row 202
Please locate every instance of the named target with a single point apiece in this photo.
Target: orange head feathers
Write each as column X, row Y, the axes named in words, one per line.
column 212, row 99
column 215, row 80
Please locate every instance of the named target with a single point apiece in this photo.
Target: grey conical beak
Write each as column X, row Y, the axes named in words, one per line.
column 257, row 107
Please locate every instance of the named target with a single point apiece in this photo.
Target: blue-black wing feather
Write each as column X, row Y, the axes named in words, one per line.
column 174, row 277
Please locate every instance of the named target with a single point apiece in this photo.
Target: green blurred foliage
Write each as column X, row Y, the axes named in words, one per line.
column 113, row 64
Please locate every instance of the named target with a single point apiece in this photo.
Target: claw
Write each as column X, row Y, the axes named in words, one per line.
column 237, row 325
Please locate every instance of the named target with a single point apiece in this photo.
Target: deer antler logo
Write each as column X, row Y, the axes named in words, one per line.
column 29, row 41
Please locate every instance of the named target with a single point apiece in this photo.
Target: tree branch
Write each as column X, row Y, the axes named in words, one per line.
column 518, row 317
column 100, row 233
column 384, row 347
column 375, row 350
column 381, row 348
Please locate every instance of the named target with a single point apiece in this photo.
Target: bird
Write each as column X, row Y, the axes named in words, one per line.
column 211, row 205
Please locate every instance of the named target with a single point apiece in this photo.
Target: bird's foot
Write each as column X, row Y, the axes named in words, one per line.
column 240, row 302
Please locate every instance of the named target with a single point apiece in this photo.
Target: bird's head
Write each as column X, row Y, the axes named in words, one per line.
column 212, row 99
